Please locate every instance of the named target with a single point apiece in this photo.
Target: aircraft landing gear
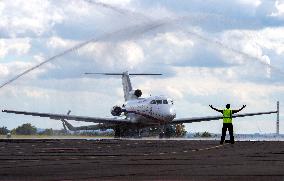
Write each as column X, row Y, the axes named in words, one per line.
column 137, row 133
column 165, row 131
column 162, row 131
column 126, row 133
column 117, row 132
column 162, row 134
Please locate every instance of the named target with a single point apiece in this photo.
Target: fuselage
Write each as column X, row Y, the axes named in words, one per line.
column 152, row 110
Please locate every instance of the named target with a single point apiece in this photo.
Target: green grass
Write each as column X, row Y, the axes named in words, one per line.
column 51, row 137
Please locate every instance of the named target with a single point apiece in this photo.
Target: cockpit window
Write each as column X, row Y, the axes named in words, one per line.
column 165, row 102
column 159, row 101
column 153, row 102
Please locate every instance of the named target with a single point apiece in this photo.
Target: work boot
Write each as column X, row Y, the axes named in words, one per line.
column 222, row 140
column 232, row 140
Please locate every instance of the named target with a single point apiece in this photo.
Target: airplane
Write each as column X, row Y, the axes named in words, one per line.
column 135, row 114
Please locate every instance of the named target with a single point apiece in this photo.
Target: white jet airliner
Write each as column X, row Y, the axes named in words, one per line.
column 138, row 113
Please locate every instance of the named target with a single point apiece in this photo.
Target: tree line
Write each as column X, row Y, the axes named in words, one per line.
column 29, row 129
column 24, row 129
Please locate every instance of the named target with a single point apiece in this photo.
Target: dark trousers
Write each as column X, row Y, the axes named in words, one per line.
column 228, row 126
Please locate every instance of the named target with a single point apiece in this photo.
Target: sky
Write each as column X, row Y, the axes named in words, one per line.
column 212, row 52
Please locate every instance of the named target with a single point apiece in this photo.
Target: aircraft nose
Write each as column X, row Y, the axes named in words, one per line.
column 171, row 114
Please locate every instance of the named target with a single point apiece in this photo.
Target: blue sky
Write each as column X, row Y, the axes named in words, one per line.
column 213, row 52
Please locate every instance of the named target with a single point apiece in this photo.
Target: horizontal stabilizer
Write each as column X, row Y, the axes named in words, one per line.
column 126, row 84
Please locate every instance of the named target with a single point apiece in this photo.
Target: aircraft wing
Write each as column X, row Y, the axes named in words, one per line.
column 71, row 117
column 210, row 118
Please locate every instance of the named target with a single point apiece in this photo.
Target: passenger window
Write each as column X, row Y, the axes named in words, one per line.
column 159, row 101
column 165, row 102
column 153, row 102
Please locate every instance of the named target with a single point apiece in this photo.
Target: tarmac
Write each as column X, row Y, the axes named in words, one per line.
column 116, row 159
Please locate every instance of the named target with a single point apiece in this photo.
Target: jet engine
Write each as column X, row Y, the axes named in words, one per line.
column 116, row 111
column 138, row 93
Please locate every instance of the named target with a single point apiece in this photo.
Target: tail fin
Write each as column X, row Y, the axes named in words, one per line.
column 91, row 127
column 66, row 124
column 126, row 83
column 69, row 126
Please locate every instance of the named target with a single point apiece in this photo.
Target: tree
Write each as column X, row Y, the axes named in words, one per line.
column 48, row 132
column 26, row 129
column 203, row 135
column 206, row 134
column 180, row 130
column 4, row 130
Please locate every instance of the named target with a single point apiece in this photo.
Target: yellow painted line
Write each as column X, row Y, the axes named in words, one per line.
column 210, row 148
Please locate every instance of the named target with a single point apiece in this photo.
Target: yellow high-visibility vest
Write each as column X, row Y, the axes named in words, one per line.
column 227, row 116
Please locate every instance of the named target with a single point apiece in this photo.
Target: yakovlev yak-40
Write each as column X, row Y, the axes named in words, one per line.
column 134, row 115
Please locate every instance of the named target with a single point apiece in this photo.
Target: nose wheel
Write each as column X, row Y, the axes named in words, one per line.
column 162, row 134
column 166, row 131
column 162, row 131
column 117, row 132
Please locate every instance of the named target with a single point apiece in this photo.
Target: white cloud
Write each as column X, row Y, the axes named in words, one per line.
column 35, row 94
column 4, row 71
column 169, row 47
column 76, row 8
column 36, row 16
column 254, row 3
column 125, row 55
column 256, row 45
column 56, row 42
column 13, row 68
column 117, row 2
column 133, row 53
column 18, row 46
column 272, row 39
column 195, row 82
column 279, row 5
column 174, row 91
